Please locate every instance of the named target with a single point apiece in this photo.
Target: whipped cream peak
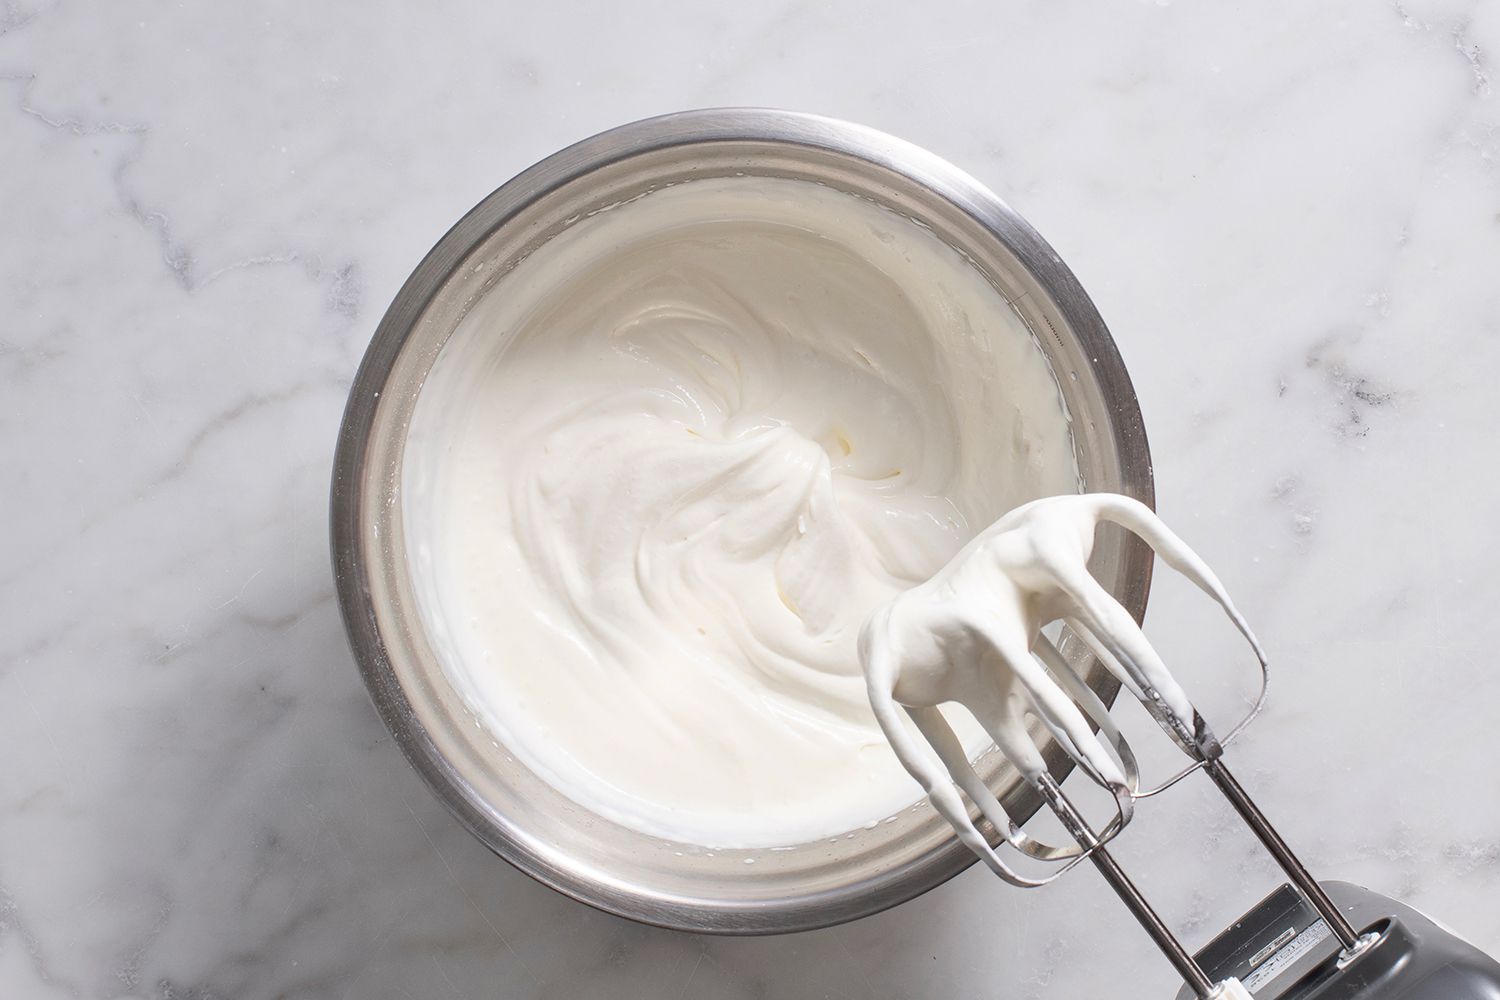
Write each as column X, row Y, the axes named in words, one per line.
column 972, row 635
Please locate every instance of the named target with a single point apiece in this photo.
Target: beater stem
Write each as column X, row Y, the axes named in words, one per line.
column 1191, row 972
column 1300, row 876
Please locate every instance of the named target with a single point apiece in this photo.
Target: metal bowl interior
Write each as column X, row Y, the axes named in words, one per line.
column 522, row 818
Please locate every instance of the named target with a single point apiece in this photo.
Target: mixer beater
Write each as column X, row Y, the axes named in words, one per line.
column 945, row 639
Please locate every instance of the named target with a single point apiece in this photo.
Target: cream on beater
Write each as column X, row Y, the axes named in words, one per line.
column 972, row 635
column 667, row 467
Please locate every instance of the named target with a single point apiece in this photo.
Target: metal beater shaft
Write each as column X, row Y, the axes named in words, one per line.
column 1278, row 849
column 1187, row 967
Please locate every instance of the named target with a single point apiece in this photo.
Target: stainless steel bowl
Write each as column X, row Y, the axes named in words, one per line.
column 519, row 816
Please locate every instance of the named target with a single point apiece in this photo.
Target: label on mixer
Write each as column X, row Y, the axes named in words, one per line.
column 1293, row 950
column 1272, row 948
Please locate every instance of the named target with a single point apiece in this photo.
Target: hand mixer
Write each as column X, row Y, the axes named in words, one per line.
column 940, row 642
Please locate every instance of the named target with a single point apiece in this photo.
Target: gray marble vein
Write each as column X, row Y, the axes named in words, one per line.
column 1288, row 213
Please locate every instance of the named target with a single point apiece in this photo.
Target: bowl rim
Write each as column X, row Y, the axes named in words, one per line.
column 349, row 543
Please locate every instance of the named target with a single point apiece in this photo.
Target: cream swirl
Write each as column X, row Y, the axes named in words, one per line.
column 663, row 472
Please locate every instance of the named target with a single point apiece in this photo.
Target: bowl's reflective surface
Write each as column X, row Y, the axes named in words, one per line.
column 521, row 817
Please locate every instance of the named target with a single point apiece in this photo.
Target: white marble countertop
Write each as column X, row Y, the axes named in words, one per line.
column 1289, row 215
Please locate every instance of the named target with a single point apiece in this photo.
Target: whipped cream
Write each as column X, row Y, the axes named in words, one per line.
column 663, row 472
column 972, row 635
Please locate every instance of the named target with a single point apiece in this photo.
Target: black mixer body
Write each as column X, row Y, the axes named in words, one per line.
column 1282, row 950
